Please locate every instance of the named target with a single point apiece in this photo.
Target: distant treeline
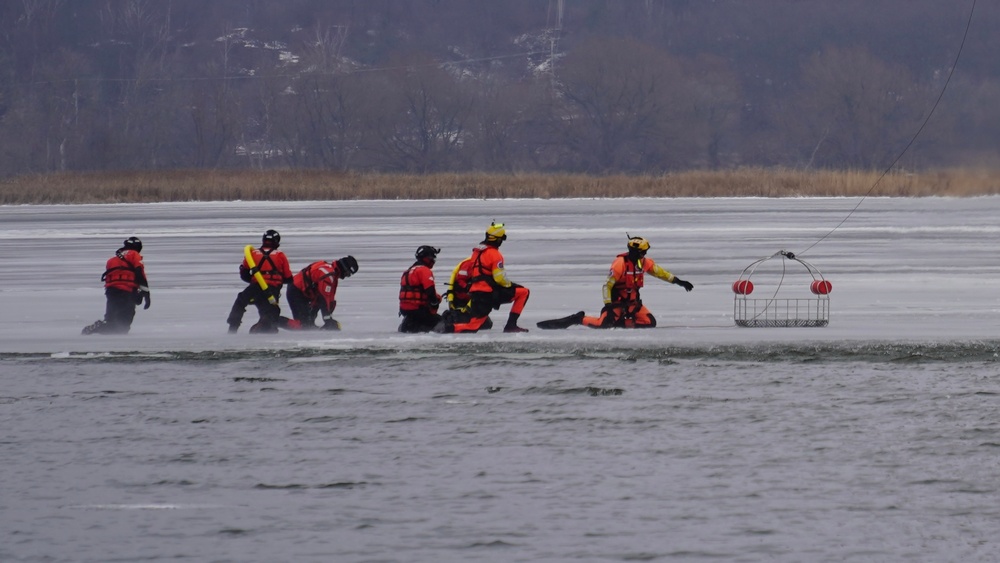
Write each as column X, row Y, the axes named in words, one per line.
column 317, row 185
column 638, row 87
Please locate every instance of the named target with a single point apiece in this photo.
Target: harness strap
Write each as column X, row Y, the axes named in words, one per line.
column 312, row 284
column 407, row 287
column 477, row 266
column 129, row 267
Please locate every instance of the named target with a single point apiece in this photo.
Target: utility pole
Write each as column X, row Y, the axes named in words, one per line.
column 554, row 34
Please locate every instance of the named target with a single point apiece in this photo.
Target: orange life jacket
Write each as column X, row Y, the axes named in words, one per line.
column 122, row 269
column 626, row 288
column 481, row 274
column 413, row 293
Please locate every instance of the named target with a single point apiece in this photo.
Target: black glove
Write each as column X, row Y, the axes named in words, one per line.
column 145, row 298
column 347, row 266
column 245, row 274
column 331, row 324
column 688, row 286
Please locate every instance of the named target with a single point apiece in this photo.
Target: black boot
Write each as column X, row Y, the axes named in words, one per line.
column 512, row 324
column 565, row 322
column 94, row 328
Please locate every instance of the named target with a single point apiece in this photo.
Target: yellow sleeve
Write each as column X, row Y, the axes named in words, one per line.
column 659, row 272
column 617, row 269
column 500, row 276
column 606, row 288
column 451, row 281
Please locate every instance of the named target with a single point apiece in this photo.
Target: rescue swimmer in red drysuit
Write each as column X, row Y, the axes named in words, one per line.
column 622, row 305
column 273, row 266
column 125, row 286
column 313, row 292
column 418, row 296
column 490, row 287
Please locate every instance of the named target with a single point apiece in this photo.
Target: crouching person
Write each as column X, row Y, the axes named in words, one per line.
column 313, row 292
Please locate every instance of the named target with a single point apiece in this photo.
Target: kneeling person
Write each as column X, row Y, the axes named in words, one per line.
column 490, row 287
column 418, row 296
column 272, row 265
column 125, row 286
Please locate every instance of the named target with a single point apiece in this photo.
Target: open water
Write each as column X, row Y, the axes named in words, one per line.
column 874, row 439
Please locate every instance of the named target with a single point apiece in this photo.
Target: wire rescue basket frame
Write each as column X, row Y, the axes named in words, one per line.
column 775, row 311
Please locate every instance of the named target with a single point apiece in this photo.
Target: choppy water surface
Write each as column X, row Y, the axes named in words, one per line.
column 504, row 451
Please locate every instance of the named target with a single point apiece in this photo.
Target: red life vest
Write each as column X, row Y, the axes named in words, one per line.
column 316, row 280
column 626, row 288
column 273, row 266
column 123, row 270
column 413, row 287
column 463, row 280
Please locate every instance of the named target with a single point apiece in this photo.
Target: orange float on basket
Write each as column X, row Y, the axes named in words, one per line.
column 742, row 287
column 820, row 287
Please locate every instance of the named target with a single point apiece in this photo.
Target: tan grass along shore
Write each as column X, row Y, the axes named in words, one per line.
column 303, row 185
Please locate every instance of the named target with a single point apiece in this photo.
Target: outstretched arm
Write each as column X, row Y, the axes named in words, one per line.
column 666, row 276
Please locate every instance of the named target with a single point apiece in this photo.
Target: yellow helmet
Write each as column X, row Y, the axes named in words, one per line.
column 638, row 243
column 496, row 232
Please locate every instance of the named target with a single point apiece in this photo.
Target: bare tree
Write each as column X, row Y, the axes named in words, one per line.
column 503, row 117
column 854, row 110
column 716, row 98
column 623, row 107
column 424, row 124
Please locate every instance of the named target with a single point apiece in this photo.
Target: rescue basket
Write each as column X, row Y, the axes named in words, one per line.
column 784, row 307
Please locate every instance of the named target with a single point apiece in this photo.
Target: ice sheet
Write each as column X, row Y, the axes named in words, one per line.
column 901, row 269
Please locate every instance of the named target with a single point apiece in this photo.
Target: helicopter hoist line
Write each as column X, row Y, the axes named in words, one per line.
column 814, row 311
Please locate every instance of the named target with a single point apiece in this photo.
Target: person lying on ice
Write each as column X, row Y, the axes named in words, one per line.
column 273, row 266
column 313, row 291
column 623, row 307
column 125, row 286
column 418, row 296
column 490, row 287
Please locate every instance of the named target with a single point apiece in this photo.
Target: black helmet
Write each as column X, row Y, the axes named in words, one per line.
column 271, row 238
column 426, row 251
column 133, row 243
column 347, row 266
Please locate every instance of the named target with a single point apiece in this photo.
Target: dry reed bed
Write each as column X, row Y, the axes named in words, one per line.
column 289, row 185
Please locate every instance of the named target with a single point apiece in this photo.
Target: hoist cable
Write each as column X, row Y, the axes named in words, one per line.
column 961, row 47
